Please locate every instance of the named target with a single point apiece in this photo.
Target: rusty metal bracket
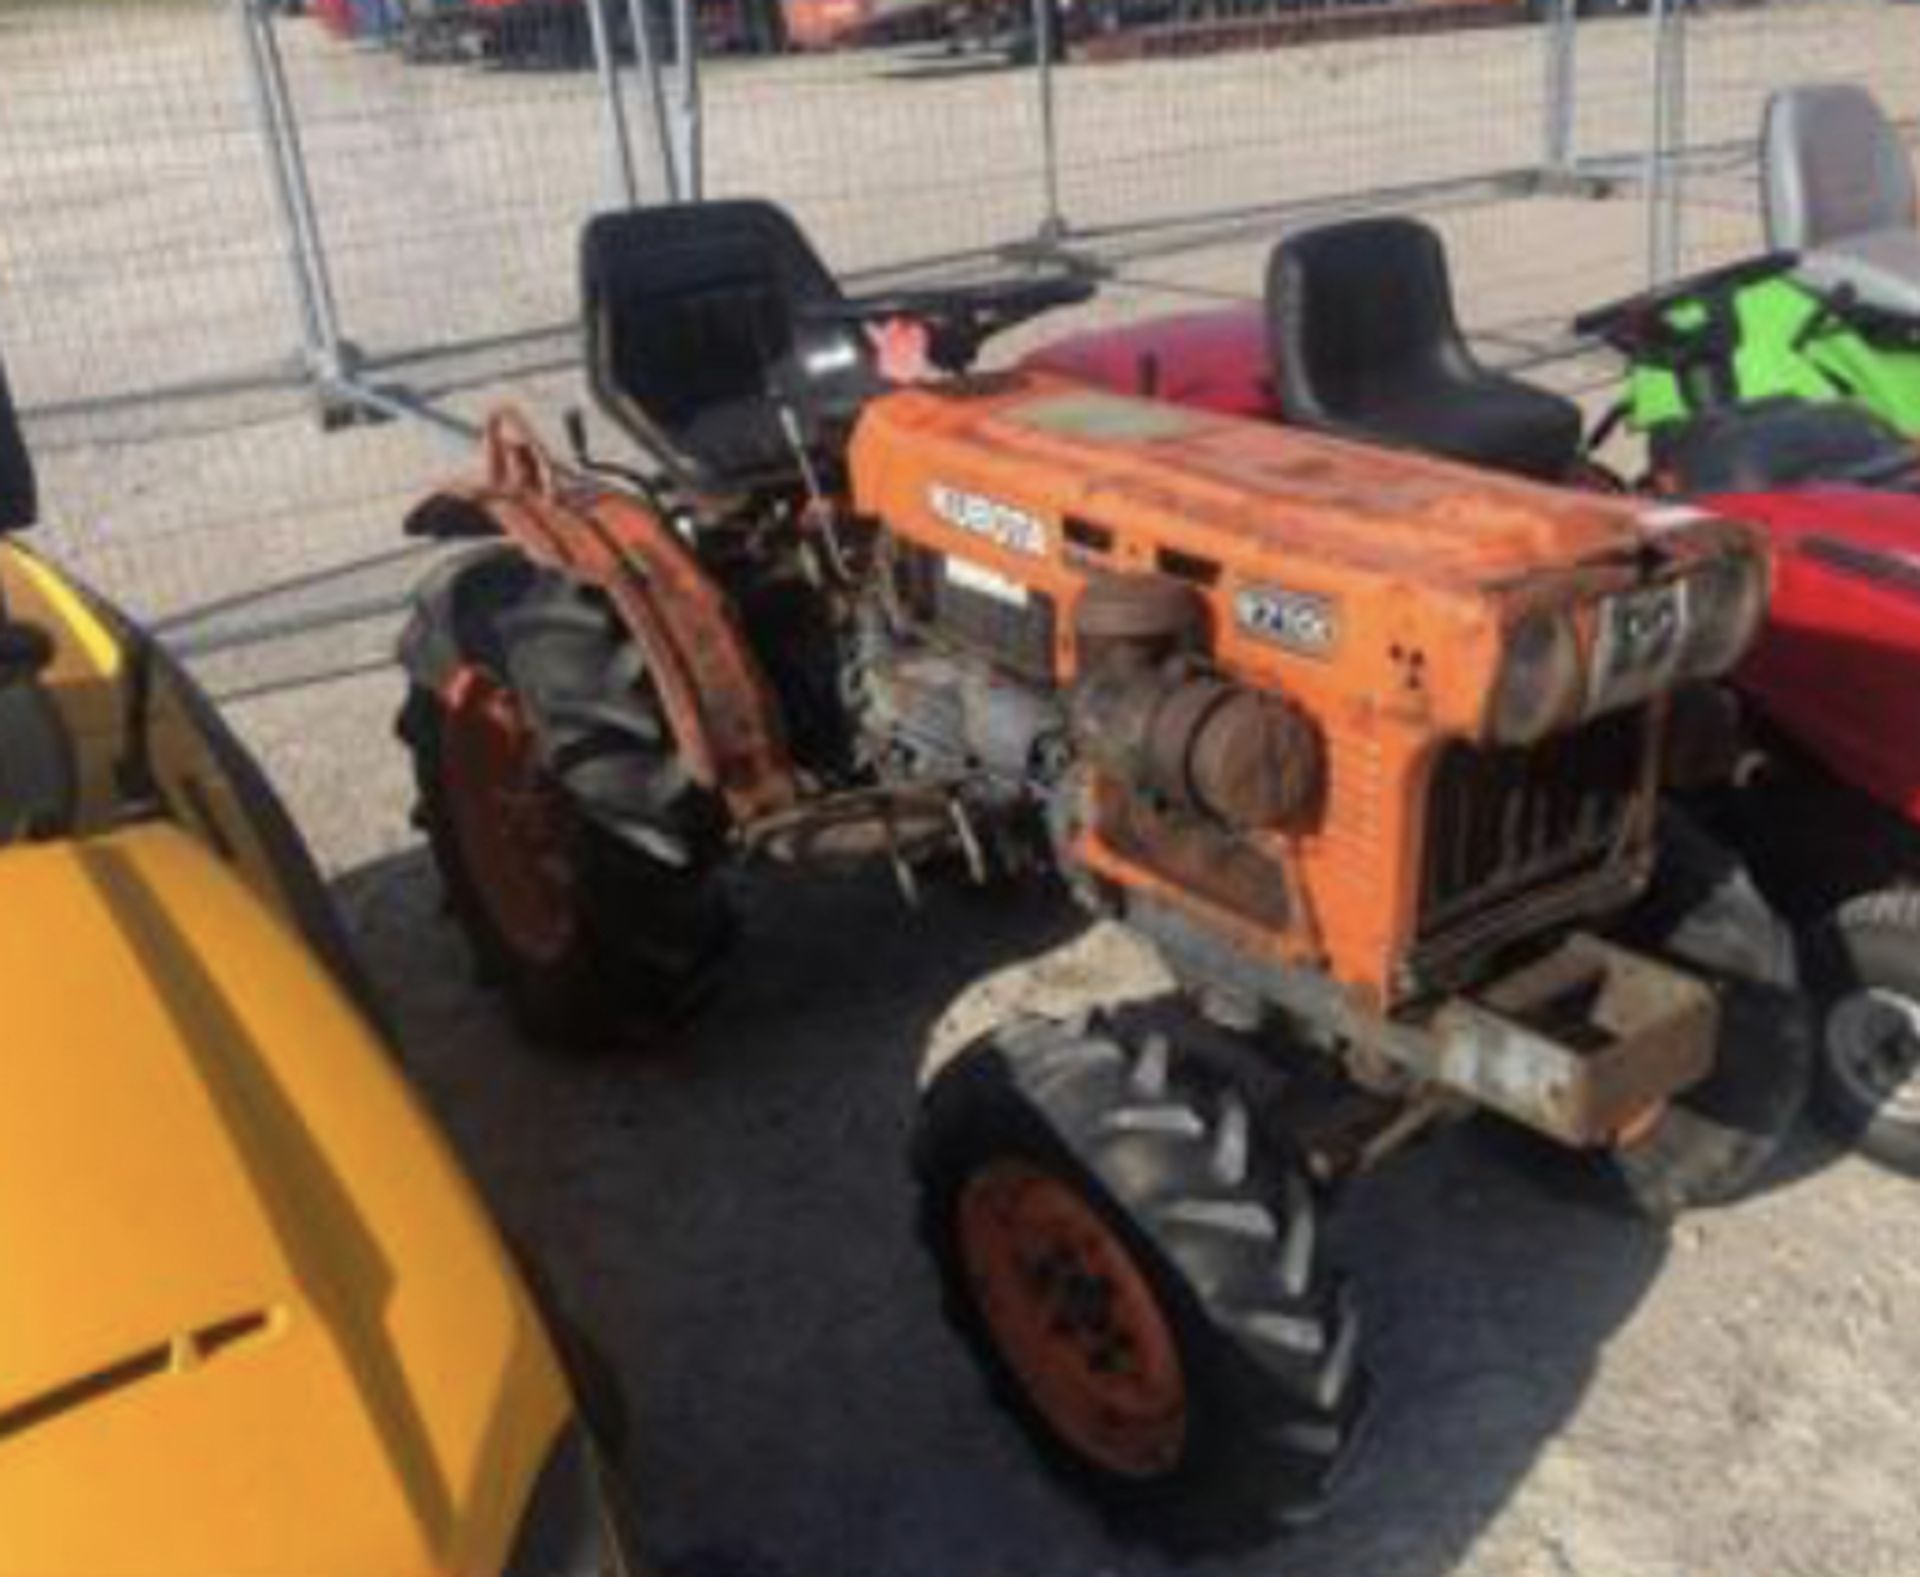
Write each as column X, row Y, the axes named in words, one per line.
column 718, row 702
column 1577, row 1044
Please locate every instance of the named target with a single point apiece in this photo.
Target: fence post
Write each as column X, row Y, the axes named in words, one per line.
column 654, row 97
column 686, row 28
column 1667, row 136
column 326, row 351
column 1053, row 224
column 621, row 190
column 1561, row 25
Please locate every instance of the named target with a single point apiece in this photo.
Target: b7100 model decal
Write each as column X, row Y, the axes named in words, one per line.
column 1297, row 620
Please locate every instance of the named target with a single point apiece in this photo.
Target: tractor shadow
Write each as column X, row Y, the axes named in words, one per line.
column 729, row 1216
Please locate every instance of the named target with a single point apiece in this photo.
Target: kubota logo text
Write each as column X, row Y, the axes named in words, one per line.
column 1001, row 524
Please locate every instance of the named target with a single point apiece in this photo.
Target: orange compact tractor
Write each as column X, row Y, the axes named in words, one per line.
column 1370, row 746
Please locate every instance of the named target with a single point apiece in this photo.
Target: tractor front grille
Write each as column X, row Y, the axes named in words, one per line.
column 1507, row 826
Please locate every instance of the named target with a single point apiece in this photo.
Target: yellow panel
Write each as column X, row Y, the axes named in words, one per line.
column 196, row 1128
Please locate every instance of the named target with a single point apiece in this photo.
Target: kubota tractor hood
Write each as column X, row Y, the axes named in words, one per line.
column 252, row 1319
column 1234, row 489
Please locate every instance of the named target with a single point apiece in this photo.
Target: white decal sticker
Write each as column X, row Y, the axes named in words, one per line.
column 969, row 576
column 1001, row 524
column 1671, row 517
column 1297, row 620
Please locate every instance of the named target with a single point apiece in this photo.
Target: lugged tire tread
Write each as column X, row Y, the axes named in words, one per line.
column 1229, row 1248
column 655, row 925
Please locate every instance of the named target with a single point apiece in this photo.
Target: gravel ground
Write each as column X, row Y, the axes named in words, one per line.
column 1562, row 1392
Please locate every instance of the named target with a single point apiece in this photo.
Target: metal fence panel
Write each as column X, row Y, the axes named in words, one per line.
column 448, row 195
column 138, row 244
column 191, row 206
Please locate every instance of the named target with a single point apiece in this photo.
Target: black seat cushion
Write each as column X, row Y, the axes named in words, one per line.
column 1495, row 422
column 694, row 338
column 1366, row 345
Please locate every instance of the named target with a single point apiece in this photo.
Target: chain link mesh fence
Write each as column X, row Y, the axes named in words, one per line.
column 138, row 251
column 147, row 310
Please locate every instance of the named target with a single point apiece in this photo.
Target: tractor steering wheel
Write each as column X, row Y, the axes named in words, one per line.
column 1640, row 326
column 959, row 319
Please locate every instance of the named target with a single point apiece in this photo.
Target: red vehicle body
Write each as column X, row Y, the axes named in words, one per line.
column 1215, row 360
column 1839, row 667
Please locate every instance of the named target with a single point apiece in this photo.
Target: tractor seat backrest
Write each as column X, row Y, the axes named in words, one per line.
column 1366, row 346
column 691, row 324
column 1352, row 309
column 1835, row 168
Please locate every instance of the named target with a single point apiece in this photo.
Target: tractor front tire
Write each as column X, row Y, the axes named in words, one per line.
column 573, row 849
column 1864, row 968
column 1710, row 1144
column 1138, row 1268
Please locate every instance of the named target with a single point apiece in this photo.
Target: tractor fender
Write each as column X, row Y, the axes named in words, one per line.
column 718, row 703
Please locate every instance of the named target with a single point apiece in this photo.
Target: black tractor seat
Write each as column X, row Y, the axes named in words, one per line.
column 699, row 343
column 1366, row 346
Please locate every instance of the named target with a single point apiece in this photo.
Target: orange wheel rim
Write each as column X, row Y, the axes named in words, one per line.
column 510, row 820
column 1075, row 1318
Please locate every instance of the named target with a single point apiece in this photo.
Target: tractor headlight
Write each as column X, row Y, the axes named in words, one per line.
column 1726, row 603
column 1540, row 684
column 571, row 1528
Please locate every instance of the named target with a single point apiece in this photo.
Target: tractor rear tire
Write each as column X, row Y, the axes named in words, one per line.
column 1864, row 968
column 1137, row 1267
column 606, row 910
column 1712, row 1142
